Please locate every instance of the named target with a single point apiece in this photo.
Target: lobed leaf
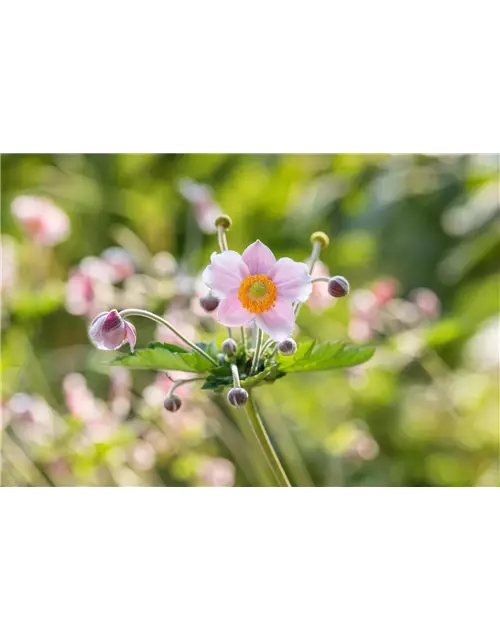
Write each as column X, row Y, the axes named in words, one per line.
column 311, row 356
column 160, row 356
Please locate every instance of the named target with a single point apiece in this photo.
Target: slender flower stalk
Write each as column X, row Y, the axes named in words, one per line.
column 165, row 323
column 243, row 340
column 267, row 344
column 256, row 354
column 179, row 383
column 265, row 443
column 320, row 279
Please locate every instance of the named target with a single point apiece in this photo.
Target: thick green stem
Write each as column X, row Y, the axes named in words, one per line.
column 165, row 323
column 256, row 353
column 265, row 442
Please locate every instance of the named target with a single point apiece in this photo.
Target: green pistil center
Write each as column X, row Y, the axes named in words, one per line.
column 258, row 290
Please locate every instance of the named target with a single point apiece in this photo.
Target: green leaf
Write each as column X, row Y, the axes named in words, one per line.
column 321, row 357
column 161, row 355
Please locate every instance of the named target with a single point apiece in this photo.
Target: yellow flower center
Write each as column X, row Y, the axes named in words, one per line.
column 257, row 293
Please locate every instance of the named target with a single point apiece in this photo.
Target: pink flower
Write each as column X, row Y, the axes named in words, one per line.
column 109, row 331
column 44, row 222
column 217, row 472
column 120, row 262
column 206, row 209
column 256, row 287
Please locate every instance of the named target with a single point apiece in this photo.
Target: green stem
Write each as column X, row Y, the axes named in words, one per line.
column 265, row 442
column 243, row 340
column 165, row 323
column 316, row 250
column 256, row 353
column 179, row 383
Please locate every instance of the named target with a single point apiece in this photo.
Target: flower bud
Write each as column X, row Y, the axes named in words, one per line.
column 321, row 237
column 229, row 347
column 109, row 331
column 338, row 287
column 287, row 347
column 221, row 358
column 223, row 221
column 209, row 303
column 172, row 403
column 237, row 397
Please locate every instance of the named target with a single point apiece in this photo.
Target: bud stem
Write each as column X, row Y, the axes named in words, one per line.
column 267, row 344
column 221, row 236
column 159, row 320
column 256, row 353
column 243, row 340
column 316, row 250
column 236, row 376
column 265, row 442
column 320, row 279
column 179, row 383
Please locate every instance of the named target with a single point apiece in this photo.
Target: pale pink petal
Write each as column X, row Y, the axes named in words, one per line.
column 225, row 274
column 279, row 321
column 95, row 330
column 231, row 313
column 130, row 335
column 292, row 280
column 259, row 258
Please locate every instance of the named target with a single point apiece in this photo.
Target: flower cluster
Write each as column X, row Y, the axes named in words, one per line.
column 253, row 291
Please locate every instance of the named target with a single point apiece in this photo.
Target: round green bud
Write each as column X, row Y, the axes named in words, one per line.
column 223, row 221
column 321, row 237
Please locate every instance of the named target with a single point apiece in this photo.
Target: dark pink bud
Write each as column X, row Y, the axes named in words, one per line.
column 287, row 347
column 109, row 331
column 209, row 303
column 172, row 403
column 237, row 397
column 338, row 287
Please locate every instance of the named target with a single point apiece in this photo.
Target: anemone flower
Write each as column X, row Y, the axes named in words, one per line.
column 255, row 287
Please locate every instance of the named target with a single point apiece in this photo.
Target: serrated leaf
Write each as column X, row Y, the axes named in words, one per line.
column 160, row 356
column 311, row 356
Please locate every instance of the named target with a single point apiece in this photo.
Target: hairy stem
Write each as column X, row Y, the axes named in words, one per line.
column 265, row 442
column 165, row 323
column 256, row 353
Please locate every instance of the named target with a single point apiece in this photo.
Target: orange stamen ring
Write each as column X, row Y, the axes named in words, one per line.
column 257, row 293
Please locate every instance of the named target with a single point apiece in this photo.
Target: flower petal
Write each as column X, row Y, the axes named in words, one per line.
column 95, row 329
column 279, row 321
column 292, row 280
column 130, row 335
column 225, row 274
column 259, row 258
column 231, row 313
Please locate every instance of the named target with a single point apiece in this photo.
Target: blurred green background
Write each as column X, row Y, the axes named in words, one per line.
column 418, row 237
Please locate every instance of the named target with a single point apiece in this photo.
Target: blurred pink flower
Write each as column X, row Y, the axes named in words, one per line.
column 143, row 456
column 217, row 472
column 384, row 290
column 200, row 196
column 120, row 392
column 120, row 262
column 41, row 219
column 427, row 302
column 80, row 294
column 9, row 263
column 99, row 421
column 319, row 298
column 32, row 417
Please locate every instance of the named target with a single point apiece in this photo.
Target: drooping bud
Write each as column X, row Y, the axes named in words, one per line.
column 287, row 347
column 321, row 237
column 209, row 303
column 237, row 397
column 172, row 403
column 109, row 331
column 229, row 347
column 338, row 287
column 223, row 221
